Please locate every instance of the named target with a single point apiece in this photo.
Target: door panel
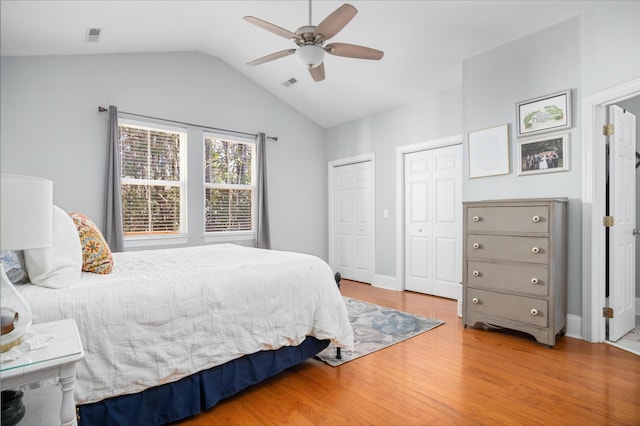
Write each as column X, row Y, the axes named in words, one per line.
column 622, row 206
column 445, row 255
column 353, row 224
column 432, row 222
column 419, row 268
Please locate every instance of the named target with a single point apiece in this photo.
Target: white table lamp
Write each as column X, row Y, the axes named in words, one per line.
column 25, row 222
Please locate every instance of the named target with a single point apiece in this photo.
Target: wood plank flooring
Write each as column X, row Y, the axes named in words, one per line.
column 447, row 376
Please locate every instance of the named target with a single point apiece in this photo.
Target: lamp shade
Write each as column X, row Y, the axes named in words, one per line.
column 25, row 212
column 310, row 55
column 26, row 206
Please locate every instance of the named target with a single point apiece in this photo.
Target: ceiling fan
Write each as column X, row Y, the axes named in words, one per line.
column 310, row 40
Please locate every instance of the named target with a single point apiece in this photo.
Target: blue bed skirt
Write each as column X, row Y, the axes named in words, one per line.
column 196, row 393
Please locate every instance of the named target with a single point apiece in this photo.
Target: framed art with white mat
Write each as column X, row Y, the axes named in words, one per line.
column 489, row 152
column 544, row 114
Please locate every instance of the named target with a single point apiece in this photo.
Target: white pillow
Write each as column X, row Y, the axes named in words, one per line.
column 61, row 264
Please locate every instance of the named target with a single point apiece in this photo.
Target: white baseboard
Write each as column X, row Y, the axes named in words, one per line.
column 387, row 282
column 574, row 326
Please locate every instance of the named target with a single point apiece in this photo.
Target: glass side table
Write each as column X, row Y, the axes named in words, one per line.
column 55, row 361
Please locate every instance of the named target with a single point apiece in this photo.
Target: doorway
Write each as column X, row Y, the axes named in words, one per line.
column 622, row 192
column 352, row 217
column 429, row 217
column 594, row 113
column 432, row 219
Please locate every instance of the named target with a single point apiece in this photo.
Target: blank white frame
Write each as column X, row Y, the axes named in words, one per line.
column 489, row 152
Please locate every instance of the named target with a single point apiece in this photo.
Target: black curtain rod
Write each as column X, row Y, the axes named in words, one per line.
column 103, row 109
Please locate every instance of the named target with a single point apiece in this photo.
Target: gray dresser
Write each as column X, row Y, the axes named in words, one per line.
column 515, row 266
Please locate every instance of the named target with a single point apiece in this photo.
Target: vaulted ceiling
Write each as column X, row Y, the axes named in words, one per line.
column 424, row 42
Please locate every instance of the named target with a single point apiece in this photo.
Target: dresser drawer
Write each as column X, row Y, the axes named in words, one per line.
column 508, row 219
column 510, row 248
column 513, row 278
column 507, row 306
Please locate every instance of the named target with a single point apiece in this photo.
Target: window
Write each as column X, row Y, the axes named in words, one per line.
column 153, row 178
column 229, row 185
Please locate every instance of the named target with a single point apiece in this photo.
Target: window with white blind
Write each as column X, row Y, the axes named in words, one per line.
column 229, row 185
column 153, row 179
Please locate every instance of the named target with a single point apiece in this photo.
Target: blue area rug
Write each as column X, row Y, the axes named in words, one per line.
column 376, row 327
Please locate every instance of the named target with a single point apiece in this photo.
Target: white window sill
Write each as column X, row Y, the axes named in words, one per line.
column 228, row 237
column 155, row 241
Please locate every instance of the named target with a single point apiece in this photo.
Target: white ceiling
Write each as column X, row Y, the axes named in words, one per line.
column 424, row 42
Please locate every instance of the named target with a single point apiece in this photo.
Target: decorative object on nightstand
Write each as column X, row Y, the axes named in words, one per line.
column 12, row 407
column 25, row 223
column 515, row 266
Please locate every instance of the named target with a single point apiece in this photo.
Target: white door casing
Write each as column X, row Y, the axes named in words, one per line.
column 622, row 206
column 352, row 219
column 592, row 322
column 432, row 221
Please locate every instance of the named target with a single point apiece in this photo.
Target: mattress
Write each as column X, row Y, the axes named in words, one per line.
column 162, row 315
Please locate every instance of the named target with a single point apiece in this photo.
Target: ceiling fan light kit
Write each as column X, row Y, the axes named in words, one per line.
column 310, row 55
column 310, row 41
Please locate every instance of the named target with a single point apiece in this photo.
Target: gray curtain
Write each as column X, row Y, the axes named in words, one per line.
column 113, row 226
column 263, row 238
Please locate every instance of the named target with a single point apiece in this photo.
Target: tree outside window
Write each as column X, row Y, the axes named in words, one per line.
column 153, row 180
column 229, row 181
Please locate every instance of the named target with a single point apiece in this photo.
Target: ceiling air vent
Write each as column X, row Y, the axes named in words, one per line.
column 93, row 34
column 290, row 82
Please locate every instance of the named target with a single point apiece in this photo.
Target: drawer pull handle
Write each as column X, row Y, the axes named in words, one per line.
column 534, row 312
column 476, row 218
column 475, row 300
column 476, row 273
column 535, row 250
column 536, row 219
column 476, row 246
column 534, row 281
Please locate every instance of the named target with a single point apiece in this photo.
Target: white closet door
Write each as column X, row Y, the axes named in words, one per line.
column 433, row 221
column 353, row 221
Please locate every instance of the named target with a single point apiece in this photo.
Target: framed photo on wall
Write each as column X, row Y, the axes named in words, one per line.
column 544, row 114
column 489, row 152
column 544, row 155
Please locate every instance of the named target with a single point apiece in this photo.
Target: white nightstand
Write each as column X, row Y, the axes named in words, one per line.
column 55, row 361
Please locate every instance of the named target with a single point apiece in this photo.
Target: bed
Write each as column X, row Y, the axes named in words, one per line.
column 169, row 333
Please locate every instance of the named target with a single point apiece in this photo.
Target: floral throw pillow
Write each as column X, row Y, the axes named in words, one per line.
column 96, row 254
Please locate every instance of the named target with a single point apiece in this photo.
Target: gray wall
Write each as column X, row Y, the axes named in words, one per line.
column 50, row 124
column 51, row 128
column 536, row 65
column 610, row 45
column 432, row 118
column 588, row 54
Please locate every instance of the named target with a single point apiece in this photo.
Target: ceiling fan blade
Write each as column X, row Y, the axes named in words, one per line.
column 272, row 28
column 353, row 51
column 317, row 73
column 332, row 24
column 271, row 57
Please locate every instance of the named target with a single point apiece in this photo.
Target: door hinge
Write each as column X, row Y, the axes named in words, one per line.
column 607, row 129
column 607, row 221
column 607, row 312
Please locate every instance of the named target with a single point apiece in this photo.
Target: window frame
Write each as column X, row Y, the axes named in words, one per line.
column 230, row 236
column 161, row 239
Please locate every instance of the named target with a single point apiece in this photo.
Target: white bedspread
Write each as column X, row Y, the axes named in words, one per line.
column 162, row 315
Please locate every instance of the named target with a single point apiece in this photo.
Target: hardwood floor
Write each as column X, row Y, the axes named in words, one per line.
column 447, row 376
